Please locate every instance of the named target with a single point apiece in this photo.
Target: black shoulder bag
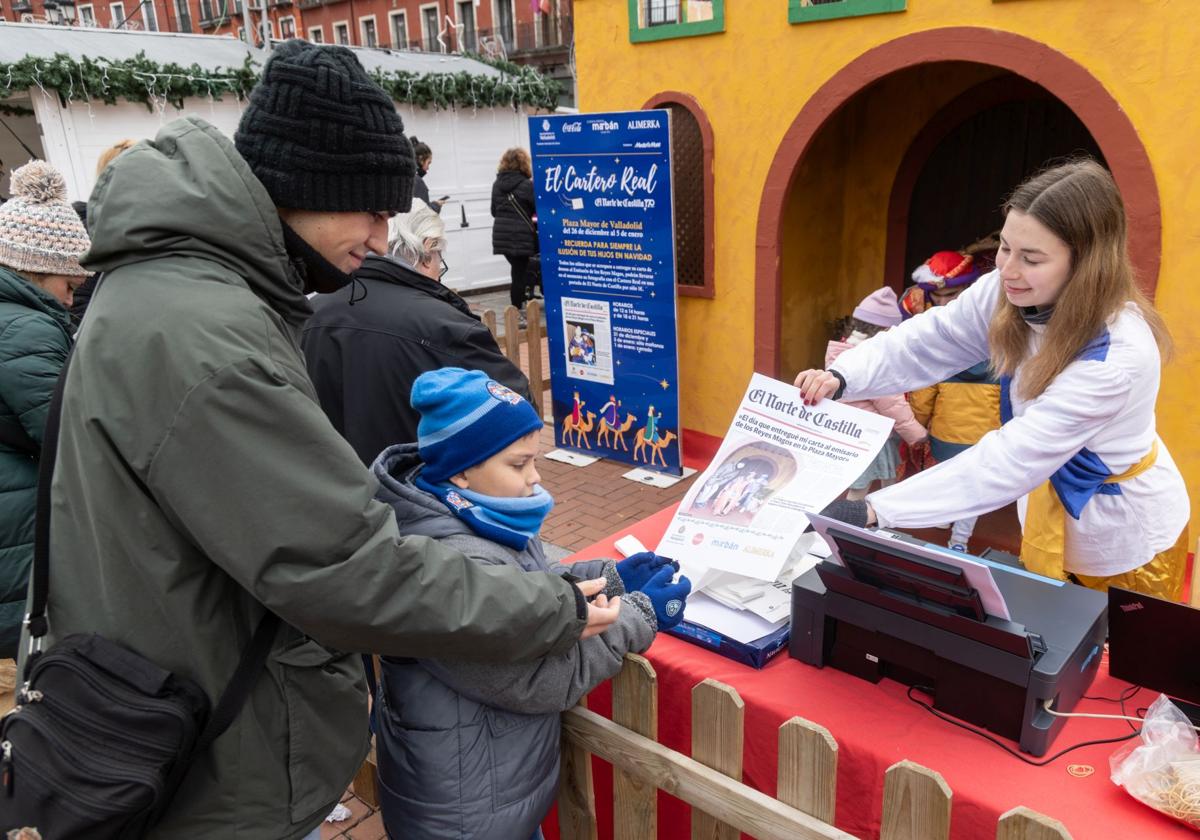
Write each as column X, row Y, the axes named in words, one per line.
column 101, row 736
column 529, row 222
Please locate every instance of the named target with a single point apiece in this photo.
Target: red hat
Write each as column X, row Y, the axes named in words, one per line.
column 947, row 270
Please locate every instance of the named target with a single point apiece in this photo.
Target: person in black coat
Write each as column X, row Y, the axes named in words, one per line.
column 424, row 156
column 364, row 346
column 514, row 233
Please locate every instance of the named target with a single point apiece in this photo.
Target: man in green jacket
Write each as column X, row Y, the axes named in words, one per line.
column 198, row 481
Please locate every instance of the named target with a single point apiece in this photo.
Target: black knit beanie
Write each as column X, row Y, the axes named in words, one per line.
column 321, row 135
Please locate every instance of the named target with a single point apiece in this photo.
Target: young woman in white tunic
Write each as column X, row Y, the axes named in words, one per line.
column 1079, row 350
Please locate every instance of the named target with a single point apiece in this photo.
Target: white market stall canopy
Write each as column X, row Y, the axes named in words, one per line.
column 467, row 137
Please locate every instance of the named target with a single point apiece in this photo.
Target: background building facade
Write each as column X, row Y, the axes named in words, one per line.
column 539, row 35
column 841, row 142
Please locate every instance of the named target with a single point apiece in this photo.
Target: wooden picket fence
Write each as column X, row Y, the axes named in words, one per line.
column 916, row 800
column 510, row 344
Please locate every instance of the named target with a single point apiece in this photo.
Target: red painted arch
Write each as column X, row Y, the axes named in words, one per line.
column 1061, row 76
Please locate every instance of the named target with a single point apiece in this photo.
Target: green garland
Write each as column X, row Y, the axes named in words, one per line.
column 139, row 79
column 136, row 79
column 7, row 110
column 448, row 90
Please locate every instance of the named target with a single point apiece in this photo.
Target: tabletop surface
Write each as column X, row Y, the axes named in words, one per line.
column 877, row 725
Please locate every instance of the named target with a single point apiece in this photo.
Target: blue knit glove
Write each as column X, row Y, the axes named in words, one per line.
column 668, row 598
column 636, row 570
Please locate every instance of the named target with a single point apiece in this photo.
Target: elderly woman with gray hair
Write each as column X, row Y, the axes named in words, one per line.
column 365, row 345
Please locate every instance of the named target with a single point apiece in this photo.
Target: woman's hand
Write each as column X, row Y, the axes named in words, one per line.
column 815, row 385
column 602, row 611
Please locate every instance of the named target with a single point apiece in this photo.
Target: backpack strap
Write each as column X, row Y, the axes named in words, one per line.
column 253, row 658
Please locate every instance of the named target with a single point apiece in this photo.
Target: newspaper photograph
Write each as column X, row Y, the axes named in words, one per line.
column 587, row 330
column 780, row 460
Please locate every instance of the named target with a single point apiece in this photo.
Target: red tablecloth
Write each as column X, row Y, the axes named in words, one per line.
column 875, row 726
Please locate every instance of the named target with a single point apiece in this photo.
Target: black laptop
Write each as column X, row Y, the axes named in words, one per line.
column 1155, row 644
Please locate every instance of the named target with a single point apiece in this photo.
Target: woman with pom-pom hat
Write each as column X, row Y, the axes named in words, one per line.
column 41, row 241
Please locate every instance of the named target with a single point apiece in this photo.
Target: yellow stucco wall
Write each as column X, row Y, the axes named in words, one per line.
column 753, row 79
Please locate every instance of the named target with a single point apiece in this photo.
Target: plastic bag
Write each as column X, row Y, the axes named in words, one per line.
column 1161, row 768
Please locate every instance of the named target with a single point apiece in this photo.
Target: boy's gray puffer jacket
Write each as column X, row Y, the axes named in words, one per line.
column 469, row 750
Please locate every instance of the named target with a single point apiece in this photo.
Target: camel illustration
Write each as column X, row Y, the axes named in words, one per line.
column 617, row 434
column 656, row 449
column 581, row 431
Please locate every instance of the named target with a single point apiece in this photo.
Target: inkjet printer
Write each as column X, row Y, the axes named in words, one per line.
column 899, row 608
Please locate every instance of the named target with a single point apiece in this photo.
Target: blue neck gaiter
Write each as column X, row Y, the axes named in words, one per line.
column 511, row 522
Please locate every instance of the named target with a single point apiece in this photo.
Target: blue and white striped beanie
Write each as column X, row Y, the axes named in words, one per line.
column 466, row 418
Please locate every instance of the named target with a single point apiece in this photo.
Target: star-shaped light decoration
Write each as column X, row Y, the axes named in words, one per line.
column 446, row 27
column 664, row 384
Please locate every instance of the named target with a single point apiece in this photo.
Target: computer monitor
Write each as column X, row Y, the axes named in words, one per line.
column 1153, row 643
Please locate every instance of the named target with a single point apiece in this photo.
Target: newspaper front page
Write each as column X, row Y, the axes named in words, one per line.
column 780, row 460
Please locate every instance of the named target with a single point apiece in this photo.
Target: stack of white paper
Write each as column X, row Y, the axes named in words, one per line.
column 745, row 609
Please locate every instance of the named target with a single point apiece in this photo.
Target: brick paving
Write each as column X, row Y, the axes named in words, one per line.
column 595, row 501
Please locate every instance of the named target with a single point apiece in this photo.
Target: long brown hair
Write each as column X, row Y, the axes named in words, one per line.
column 1080, row 204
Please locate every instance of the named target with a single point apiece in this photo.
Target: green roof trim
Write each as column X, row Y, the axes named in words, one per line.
column 841, row 9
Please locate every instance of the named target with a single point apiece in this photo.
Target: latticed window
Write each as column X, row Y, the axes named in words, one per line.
column 661, row 12
column 691, row 156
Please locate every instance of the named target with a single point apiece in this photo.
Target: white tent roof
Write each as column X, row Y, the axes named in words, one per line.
column 18, row 40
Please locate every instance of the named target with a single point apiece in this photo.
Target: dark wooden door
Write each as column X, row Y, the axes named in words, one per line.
column 959, row 192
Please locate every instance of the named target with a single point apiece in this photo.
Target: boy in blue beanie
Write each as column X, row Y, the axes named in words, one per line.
column 469, row 750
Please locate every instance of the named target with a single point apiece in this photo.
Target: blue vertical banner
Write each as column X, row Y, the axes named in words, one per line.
column 607, row 236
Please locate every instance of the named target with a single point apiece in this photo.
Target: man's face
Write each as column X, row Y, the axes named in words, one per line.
column 344, row 239
column 940, row 297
